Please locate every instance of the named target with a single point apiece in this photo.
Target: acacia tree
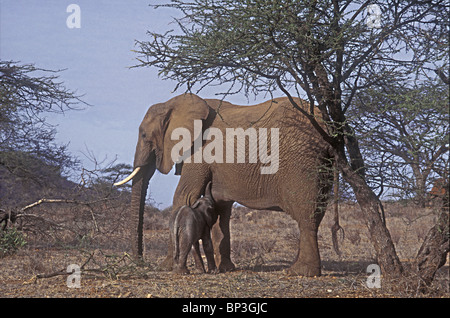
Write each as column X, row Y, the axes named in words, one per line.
column 27, row 141
column 322, row 51
column 404, row 134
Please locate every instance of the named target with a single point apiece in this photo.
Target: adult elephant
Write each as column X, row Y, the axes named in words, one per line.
column 298, row 183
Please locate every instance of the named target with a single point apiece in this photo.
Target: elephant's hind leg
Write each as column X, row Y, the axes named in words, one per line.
column 307, row 262
column 200, row 267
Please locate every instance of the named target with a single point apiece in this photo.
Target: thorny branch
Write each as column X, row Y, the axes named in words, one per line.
column 14, row 215
column 111, row 266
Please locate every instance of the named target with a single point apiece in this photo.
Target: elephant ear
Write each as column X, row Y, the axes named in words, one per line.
column 182, row 111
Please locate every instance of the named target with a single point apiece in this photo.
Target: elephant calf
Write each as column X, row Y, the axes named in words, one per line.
column 190, row 224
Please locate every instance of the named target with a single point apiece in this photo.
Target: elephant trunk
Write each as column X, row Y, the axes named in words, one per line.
column 208, row 191
column 138, row 194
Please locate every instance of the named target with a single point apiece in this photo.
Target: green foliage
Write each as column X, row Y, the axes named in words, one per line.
column 11, row 240
column 326, row 53
column 247, row 44
column 304, row 47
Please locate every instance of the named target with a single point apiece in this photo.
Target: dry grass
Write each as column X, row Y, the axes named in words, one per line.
column 264, row 244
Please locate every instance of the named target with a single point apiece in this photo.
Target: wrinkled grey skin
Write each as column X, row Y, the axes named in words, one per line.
column 189, row 225
column 300, row 187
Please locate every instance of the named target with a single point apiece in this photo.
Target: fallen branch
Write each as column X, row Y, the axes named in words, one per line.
column 58, row 273
column 88, row 204
column 39, row 202
column 116, row 266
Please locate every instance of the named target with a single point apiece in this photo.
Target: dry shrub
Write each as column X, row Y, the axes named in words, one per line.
column 60, row 223
column 263, row 245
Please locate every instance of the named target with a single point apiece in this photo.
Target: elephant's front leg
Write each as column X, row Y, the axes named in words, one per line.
column 221, row 237
column 167, row 264
column 209, row 251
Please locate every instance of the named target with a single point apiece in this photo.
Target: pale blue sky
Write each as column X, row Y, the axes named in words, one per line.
column 97, row 57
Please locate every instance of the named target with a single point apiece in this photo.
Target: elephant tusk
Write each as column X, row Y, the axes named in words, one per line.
column 131, row 176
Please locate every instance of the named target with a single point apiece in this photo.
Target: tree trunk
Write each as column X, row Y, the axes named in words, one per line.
column 370, row 207
column 433, row 252
column 420, row 186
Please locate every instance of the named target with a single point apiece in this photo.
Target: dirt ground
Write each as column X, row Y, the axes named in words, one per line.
column 264, row 244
